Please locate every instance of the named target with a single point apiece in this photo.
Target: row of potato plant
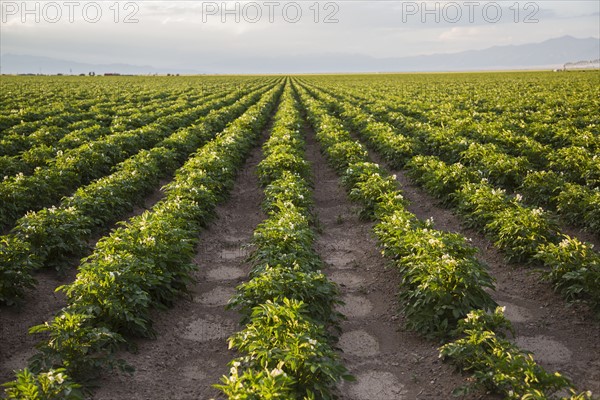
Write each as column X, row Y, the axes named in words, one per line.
column 482, row 347
column 93, row 160
column 523, row 233
column 30, row 103
column 572, row 199
column 53, row 237
column 573, row 195
column 56, row 140
column 520, row 112
column 288, row 305
column 144, row 264
column 66, row 117
column 442, row 283
column 442, row 280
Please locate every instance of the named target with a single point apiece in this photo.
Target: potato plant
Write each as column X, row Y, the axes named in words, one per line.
column 496, row 363
column 518, row 230
column 514, row 159
column 56, row 236
column 146, row 262
column 288, row 305
column 441, row 279
column 92, row 160
column 441, row 283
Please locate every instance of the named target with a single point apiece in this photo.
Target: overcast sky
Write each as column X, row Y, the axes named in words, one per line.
column 182, row 34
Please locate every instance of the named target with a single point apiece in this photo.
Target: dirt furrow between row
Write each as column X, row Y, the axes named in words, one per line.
column 190, row 352
column 389, row 362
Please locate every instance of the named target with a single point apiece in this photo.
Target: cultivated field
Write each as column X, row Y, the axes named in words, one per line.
column 362, row 237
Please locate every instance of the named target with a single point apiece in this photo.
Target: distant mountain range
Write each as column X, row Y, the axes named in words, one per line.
column 28, row 64
column 551, row 53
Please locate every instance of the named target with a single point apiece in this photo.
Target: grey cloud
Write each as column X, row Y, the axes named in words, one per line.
column 366, row 29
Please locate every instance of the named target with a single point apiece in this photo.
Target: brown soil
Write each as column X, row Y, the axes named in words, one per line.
column 39, row 304
column 389, row 362
column 191, row 353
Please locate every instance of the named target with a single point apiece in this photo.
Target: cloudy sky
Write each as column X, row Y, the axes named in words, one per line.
column 184, row 34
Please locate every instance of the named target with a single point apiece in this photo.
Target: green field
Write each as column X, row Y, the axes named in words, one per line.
column 109, row 183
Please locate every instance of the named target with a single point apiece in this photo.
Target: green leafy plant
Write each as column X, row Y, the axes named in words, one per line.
column 541, row 187
column 51, row 385
column 290, row 187
column 520, row 231
column 500, row 168
column 255, row 384
column 56, row 235
column 286, row 238
column 370, row 190
column 319, row 295
column 75, row 344
column 16, row 264
column 498, row 364
column 579, row 205
column 283, row 336
column 441, row 278
column 577, row 163
column 575, row 269
column 440, row 179
column 280, row 160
